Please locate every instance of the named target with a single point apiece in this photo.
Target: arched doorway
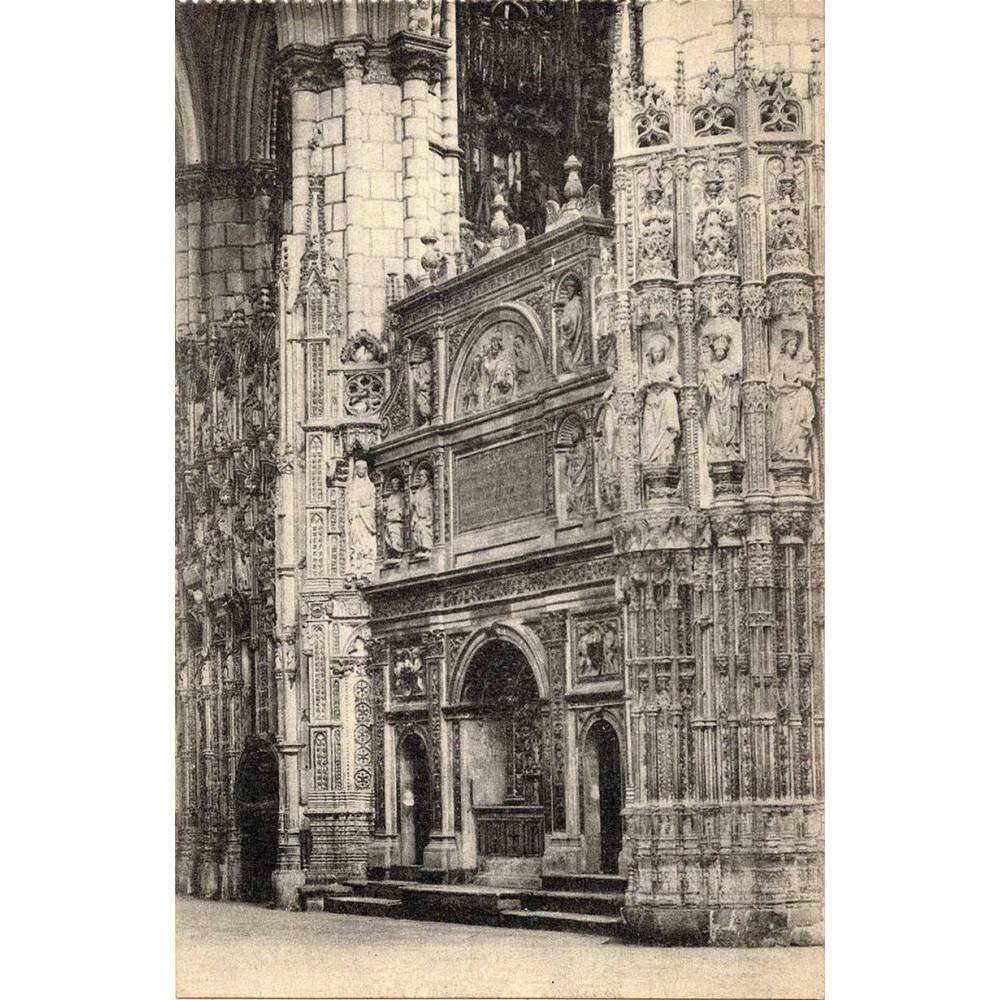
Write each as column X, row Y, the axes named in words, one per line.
column 602, row 797
column 502, row 764
column 414, row 784
column 257, row 811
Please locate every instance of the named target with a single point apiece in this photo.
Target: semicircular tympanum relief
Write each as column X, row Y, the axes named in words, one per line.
column 503, row 363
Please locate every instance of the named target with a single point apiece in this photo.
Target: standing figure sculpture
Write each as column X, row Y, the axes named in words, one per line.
column 719, row 385
column 361, row 521
column 422, row 512
column 393, row 533
column 571, row 328
column 661, row 423
column 792, row 406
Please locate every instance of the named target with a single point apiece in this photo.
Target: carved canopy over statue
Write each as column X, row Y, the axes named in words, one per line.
column 502, row 362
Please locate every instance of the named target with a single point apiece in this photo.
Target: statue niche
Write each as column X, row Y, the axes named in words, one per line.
column 661, row 424
column 719, row 384
column 570, row 326
column 501, row 362
column 793, row 408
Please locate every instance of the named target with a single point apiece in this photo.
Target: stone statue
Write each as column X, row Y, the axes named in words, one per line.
column 719, row 384
column 661, row 424
column 523, row 363
column 571, row 328
column 792, row 406
column 608, row 474
column 393, row 530
column 473, row 390
column 575, row 488
column 422, row 376
column 361, row 520
column 422, row 512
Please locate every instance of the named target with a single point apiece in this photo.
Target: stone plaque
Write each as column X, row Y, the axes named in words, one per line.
column 500, row 483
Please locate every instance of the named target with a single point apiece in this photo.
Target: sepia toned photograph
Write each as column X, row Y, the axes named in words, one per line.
column 499, row 470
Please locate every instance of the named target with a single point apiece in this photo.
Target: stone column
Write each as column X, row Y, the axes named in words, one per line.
column 416, row 61
column 451, row 209
column 289, row 876
column 416, row 165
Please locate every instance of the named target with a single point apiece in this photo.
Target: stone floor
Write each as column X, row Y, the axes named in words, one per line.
column 238, row 950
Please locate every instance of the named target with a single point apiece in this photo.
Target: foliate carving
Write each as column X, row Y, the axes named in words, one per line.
column 362, row 349
column 779, row 112
column 243, row 182
column 654, row 304
column 789, row 297
column 753, row 301
column 717, row 297
column 362, row 733
column 715, row 116
column 729, row 524
column 791, row 525
column 656, row 220
column 378, row 70
column 489, row 589
column 714, row 193
column 787, row 241
column 364, row 395
column 685, row 530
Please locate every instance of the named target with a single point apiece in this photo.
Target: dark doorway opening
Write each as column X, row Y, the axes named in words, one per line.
column 257, row 809
column 415, row 814
column 603, row 798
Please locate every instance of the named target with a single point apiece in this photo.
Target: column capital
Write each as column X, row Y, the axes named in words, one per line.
column 418, row 57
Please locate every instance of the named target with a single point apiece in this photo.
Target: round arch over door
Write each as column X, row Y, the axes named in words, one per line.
column 603, row 797
column 416, row 816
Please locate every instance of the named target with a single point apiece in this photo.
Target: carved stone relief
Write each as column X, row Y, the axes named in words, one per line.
column 656, row 220
column 505, row 364
column 597, row 652
column 713, row 191
column 408, row 677
column 787, row 224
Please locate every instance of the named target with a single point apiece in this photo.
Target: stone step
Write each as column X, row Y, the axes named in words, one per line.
column 608, row 903
column 405, row 873
column 366, row 906
column 549, row 920
column 458, row 903
column 585, row 883
column 376, row 888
